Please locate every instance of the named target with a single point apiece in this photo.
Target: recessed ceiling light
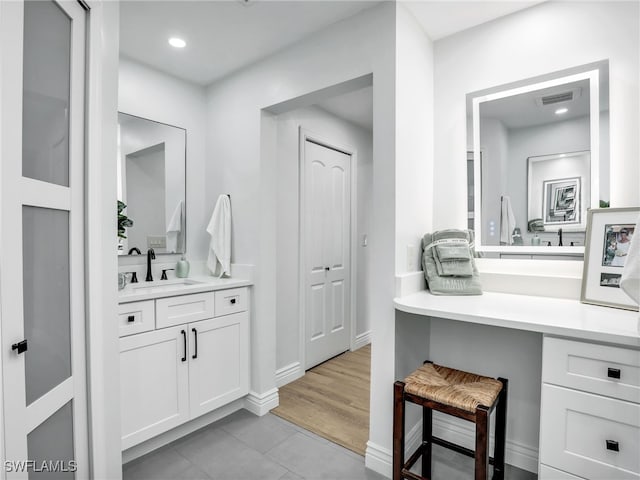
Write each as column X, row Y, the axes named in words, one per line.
column 560, row 111
column 177, row 42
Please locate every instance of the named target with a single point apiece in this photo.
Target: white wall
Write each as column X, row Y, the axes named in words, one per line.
column 341, row 132
column 414, row 139
column 242, row 162
column 545, row 38
column 147, row 93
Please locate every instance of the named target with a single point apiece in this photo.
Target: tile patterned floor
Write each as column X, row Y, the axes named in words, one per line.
column 245, row 447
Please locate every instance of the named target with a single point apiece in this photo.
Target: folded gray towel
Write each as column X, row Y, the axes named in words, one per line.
column 447, row 260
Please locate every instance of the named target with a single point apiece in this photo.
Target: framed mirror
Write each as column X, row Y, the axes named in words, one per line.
column 539, row 150
column 151, row 171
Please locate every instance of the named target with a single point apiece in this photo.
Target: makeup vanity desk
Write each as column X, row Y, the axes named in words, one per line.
column 590, row 406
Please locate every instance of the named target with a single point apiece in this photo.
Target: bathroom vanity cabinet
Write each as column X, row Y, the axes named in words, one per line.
column 181, row 356
column 590, row 422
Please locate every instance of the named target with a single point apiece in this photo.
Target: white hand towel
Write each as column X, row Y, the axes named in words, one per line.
column 219, row 228
column 174, row 228
column 507, row 221
column 630, row 281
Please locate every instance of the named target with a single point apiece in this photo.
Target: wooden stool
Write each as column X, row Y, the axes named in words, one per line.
column 454, row 392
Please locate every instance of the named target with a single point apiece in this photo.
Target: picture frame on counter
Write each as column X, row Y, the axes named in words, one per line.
column 609, row 233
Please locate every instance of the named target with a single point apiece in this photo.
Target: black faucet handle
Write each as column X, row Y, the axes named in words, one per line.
column 134, row 276
column 164, row 273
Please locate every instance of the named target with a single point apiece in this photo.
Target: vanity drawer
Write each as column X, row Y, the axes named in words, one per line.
column 136, row 317
column 592, row 368
column 231, row 301
column 580, row 432
column 172, row 311
column 547, row 473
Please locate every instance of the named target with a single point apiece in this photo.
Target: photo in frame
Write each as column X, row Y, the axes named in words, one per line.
column 609, row 234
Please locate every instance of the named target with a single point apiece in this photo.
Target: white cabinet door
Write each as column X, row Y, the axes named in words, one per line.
column 154, row 376
column 218, row 362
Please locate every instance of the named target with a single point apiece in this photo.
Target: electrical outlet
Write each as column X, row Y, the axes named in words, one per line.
column 156, row 241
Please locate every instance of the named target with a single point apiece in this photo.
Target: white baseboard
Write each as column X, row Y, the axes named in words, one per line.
column 261, row 403
column 288, row 374
column 378, row 459
column 362, row 340
column 180, row 431
column 516, row 454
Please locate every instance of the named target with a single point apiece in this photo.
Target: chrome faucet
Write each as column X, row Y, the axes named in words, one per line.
column 560, row 235
column 151, row 255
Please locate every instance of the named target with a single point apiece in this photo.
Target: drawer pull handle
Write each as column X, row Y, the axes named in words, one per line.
column 613, row 445
column 233, row 301
column 184, row 338
column 613, row 372
column 131, row 318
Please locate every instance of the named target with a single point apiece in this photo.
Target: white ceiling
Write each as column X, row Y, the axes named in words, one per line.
column 221, row 36
column 442, row 18
column 225, row 36
column 524, row 111
column 355, row 107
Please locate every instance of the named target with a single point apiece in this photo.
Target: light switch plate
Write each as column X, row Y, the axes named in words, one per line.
column 156, row 241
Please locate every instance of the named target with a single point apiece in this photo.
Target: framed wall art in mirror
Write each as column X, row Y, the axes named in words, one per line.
column 543, row 144
column 555, row 198
column 151, row 169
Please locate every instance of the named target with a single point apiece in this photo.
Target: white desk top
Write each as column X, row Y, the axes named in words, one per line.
column 555, row 316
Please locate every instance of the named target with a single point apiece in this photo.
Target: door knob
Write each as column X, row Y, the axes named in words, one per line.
column 21, row 347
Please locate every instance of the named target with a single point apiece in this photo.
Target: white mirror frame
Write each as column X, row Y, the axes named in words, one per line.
column 594, row 113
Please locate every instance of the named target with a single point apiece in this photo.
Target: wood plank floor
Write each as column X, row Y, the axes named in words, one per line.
column 332, row 400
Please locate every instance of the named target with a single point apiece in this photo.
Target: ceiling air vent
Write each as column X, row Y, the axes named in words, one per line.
column 559, row 97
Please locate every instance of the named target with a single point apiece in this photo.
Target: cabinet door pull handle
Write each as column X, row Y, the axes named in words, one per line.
column 613, row 445
column 131, row 318
column 184, row 338
column 195, row 338
column 20, row 347
column 613, row 372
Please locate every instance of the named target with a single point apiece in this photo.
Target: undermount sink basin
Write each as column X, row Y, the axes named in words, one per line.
column 163, row 285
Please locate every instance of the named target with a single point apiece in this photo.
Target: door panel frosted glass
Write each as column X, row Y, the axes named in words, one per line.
column 51, row 442
column 45, row 244
column 45, row 103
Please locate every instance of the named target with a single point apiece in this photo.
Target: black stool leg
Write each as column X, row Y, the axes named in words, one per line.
column 501, row 432
column 427, row 432
column 482, row 441
column 398, row 430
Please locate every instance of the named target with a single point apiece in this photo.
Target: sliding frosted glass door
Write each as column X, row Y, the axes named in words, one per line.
column 42, row 50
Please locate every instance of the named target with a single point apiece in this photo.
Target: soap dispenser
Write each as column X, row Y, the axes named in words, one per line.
column 182, row 268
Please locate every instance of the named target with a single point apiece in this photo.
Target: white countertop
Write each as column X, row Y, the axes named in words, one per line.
column 135, row 292
column 568, row 318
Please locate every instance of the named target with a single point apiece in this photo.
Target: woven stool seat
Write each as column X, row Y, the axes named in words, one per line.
column 452, row 387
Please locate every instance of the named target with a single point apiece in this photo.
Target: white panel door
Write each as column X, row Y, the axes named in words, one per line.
column 154, row 376
column 42, row 55
column 326, row 224
column 218, row 362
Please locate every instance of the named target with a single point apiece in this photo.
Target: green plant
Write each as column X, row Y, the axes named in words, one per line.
column 604, row 204
column 123, row 220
